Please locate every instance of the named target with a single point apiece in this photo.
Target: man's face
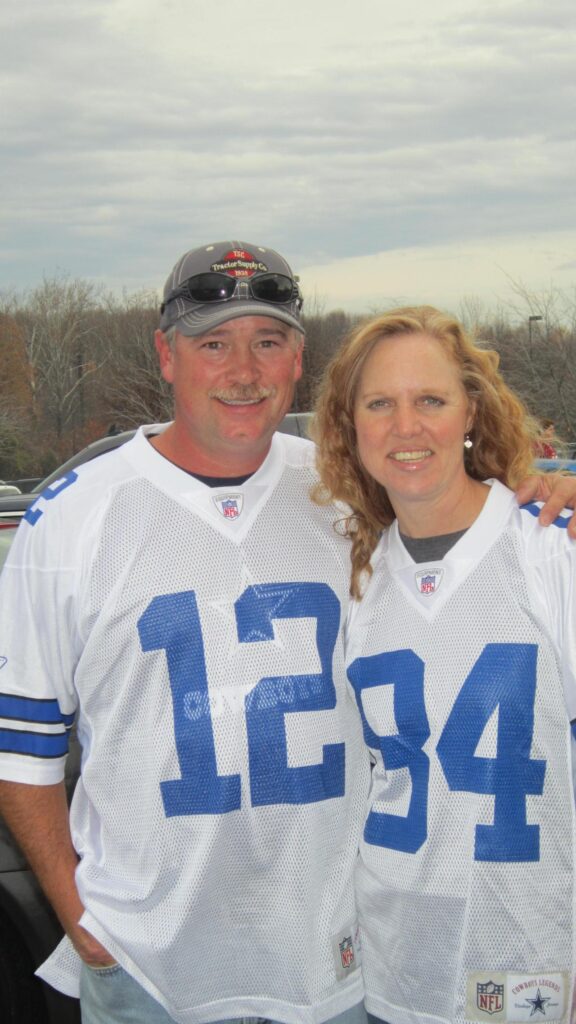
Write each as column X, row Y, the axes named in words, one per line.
column 232, row 386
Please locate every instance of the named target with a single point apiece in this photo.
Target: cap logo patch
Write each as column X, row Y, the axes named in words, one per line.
column 239, row 263
column 428, row 580
column 229, row 505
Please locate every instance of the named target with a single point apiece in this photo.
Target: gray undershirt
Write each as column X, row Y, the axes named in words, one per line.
column 430, row 549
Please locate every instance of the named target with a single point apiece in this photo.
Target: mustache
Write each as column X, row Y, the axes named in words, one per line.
column 241, row 393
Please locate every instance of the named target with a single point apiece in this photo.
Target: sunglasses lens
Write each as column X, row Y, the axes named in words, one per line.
column 272, row 288
column 211, row 287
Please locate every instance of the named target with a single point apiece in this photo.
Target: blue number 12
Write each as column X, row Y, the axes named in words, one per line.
column 172, row 623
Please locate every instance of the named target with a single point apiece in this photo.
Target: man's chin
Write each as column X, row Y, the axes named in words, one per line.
column 245, row 429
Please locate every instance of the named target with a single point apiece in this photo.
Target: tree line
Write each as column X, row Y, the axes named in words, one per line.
column 77, row 363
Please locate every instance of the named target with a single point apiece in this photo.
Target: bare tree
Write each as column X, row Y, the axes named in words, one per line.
column 324, row 334
column 63, row 352
column 76, row 363
column 134, row 390
column 539, row 356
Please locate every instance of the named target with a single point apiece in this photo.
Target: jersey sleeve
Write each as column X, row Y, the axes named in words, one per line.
column 558, row 578
column 38, row 649
column 552, row 558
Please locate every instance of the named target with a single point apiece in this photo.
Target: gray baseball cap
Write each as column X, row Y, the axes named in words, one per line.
column 226, row 280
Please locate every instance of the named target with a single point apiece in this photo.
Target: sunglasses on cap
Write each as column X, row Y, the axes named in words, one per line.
column 277, row 289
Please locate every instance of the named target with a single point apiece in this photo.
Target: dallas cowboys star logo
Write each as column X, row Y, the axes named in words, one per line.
column 538, row 1004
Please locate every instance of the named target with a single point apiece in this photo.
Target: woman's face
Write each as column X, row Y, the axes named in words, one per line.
column 411, row 414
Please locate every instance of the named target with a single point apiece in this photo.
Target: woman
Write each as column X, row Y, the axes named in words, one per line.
column 462, row 661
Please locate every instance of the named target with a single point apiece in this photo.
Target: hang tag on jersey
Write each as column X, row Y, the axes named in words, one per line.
column 496, row 996
column 229, row 505
column 346, row 950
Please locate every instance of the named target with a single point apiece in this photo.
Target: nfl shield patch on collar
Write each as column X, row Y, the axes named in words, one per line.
column 229, row 505
column 428, row 580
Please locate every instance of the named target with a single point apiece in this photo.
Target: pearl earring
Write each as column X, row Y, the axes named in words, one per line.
column 468, row 442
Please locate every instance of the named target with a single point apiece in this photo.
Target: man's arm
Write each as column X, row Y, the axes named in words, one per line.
column 556, row 491
column 38, row 818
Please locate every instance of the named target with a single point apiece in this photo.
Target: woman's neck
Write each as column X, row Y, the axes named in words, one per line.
column 435, row 517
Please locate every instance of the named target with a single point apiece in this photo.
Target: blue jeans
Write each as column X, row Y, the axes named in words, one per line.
column 109, row 995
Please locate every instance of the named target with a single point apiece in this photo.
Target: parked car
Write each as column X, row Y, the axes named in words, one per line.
column 29, row 929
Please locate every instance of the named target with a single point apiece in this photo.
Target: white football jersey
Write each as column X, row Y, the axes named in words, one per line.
column 197, row 634
column 464, row 671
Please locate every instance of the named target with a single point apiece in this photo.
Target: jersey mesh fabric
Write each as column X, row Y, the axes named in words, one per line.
column 433, row 915
column 200, row 652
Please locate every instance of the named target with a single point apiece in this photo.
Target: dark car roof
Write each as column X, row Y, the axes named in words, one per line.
column 91, row 451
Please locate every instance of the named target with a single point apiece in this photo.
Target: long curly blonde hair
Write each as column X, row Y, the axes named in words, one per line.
column 503, row 433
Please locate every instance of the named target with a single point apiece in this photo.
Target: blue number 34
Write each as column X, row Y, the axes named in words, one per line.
column 171, row 623
column 503, row 677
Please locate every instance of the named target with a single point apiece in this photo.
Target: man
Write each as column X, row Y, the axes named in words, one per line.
column 185, row 600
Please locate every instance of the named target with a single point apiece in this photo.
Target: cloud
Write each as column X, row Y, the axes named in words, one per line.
column 445, row 275
column 134, row 130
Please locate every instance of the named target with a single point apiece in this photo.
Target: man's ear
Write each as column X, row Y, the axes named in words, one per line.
column 165, row 356
column 298, row 368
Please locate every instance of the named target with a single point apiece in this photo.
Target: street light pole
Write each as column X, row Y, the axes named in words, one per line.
column 531, row 320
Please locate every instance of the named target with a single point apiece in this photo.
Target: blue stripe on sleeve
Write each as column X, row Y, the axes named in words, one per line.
column 573, row 728
column 29, row 709
column 34, row 744
column 535, row 510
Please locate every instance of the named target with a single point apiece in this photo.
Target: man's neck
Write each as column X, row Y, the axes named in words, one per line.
column 204, row 464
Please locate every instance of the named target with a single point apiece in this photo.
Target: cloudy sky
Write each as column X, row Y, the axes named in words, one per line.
column 413, row 151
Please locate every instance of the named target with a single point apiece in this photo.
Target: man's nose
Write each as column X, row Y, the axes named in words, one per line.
column 244, row 367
